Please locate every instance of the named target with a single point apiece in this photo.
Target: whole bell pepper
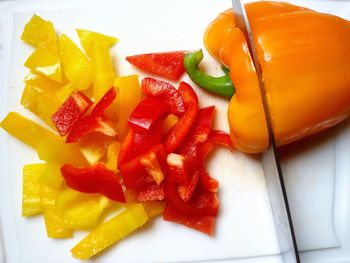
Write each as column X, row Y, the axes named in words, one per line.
column 305, row 61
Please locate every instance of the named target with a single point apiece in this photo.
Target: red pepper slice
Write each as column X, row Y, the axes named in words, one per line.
column 169, row 65
column 199, row 132
column 95, row 179
column 215, row 137
column 95, row 122
column 136, row 143
column 179, row 132
column 204, row 224
column 202, row 203
column 104, row 103
column 165, row 91
column 147, row 113
column 70, row 112
column 150, row 192
column 187, row 189
column 135, row 174
column 177, row 168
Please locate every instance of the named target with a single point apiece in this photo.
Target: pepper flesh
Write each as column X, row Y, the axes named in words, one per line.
column 300, row 75
column 25, row 130
column 110, row 232
column 31, row 204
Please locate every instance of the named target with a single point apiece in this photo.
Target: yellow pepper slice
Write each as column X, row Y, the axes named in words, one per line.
column 51, row 175
column 25, row 130
column 42, row 104
column 110, row 232
column 129, row 95
column 56, row 150
column 45, row 62
column 88, row 37
column 31, row 204
column 112, row 155
column 103, row 71
column 53, row 220
column 76, row 67
column 84, row 211
column 42, row 83
column 94, row 147
column 40, row 33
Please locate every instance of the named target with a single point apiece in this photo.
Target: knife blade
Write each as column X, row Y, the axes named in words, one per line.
column 270, row 160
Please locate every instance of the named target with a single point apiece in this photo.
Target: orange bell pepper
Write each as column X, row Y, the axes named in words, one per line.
column 305, row 61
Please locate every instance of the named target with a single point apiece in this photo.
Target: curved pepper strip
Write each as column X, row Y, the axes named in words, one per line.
column 220, row 85
column 215, row 137
column 300, row 75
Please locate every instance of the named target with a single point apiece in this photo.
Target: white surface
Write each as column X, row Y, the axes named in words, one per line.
column 243, row 195
column 245, row 226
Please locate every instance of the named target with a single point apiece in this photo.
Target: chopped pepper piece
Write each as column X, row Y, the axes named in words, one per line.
column 80, row 210
column 43, row 103
column 215, row 137
column 202, row 203
column 94, row 147
column 102, row 68
column 45, row 62
column 95, row 122
column 129, row 95
column 53, row 220
column 147, row 113
column 135, row 173
column 40, row 33
column 87, row 38
column 70, row 112
column 178, row 133
column 31, row 204
column 204, row 224
column 56, row 150
column 166, row 91
column 110, row 232
column 199, row 132
column 152, row 166
column 95, row 179
column 77, row 68
column 25, row 130
column 166, row 64
column 51, row 175
column 137, row 143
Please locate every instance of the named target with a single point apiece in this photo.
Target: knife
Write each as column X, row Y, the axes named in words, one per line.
column 270, row 160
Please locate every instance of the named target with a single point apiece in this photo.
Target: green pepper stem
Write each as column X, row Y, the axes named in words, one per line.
column 220, row 85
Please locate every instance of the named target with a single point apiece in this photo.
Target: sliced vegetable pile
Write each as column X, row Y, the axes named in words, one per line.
column 111, row 145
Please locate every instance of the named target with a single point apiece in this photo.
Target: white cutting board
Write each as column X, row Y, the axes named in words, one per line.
column 245, row 225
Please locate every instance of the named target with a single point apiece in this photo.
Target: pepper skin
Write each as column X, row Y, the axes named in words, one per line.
column 305, row 61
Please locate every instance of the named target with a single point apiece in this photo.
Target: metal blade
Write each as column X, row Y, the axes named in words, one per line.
column 271, row 163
